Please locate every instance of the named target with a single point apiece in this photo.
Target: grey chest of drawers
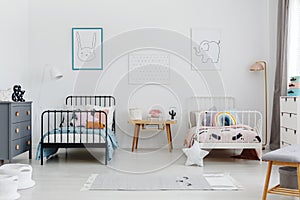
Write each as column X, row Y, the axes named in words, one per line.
column 15, row 129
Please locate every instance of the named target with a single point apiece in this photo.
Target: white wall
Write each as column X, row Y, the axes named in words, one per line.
column 245, row 29
column 14, row 44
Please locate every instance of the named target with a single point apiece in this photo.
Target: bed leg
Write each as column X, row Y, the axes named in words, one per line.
column 260, row 156
column 106, row 155
column 66, row 153
column 42, row 156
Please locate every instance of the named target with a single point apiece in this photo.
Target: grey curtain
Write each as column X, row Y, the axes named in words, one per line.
column 280, row 87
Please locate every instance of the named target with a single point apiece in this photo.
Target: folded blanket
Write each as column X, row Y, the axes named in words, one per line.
column 112, row 142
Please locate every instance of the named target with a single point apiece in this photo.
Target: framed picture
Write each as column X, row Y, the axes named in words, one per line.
column 87, row 48
column 144, row 68
column 206, row 49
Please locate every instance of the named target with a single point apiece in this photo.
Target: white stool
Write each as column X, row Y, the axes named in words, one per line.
column 8, row 187
column 22, row 171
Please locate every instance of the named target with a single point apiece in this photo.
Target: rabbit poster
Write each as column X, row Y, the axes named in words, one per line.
column 205, row 49
column 87, row 48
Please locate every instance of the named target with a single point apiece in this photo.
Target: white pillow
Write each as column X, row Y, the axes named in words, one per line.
column 206, row 118
column 110, row 114
column 74, row 107
column 198, row 118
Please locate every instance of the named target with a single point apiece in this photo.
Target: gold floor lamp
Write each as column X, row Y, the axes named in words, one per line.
column 262, row 66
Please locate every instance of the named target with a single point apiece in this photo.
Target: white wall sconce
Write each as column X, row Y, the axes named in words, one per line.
column 55, row 73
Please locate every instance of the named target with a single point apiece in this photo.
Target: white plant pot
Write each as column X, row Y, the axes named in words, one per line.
column 135, row 113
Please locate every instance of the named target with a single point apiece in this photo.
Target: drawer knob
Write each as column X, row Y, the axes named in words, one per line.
column 17, row 114
column 28, row 127
column 28, row 112
column 17, row 130
column 28, row 142
column 17, row 147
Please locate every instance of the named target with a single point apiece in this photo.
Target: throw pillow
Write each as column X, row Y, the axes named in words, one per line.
column 195, row 155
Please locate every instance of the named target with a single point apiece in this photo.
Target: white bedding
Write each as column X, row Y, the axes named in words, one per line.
column 73, row 138
column 230, row 134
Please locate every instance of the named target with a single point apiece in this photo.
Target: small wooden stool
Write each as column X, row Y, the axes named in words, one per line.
column 287, row 156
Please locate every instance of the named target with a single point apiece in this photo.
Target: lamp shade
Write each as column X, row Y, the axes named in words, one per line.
column 55, row 73
column 258, row 66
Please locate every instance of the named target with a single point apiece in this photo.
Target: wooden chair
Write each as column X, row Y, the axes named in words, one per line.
column 287, row 156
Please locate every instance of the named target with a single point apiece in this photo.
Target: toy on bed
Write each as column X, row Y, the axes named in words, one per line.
column 215, row 124
column 87, row 122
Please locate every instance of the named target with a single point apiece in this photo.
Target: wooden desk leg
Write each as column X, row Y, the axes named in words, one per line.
column 169, row 135
column 270, row 164
column 137, row 135
column 136, row 127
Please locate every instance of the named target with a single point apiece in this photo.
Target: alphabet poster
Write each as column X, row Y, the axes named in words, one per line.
column 87, row 48
column 145, row 68
column 205, row 49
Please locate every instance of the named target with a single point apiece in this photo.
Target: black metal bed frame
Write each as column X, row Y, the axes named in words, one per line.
column 51, row 118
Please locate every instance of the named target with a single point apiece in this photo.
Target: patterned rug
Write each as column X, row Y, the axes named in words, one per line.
column 150, row 182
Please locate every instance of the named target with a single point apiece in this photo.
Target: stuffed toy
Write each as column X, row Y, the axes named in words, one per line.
column 18, row 94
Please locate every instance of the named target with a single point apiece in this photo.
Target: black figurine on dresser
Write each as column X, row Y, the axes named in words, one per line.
column 18, row 94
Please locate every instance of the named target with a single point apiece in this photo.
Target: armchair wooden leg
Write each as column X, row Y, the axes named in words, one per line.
column 268, row 175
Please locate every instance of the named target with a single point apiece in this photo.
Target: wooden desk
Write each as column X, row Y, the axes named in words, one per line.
column 141, row 123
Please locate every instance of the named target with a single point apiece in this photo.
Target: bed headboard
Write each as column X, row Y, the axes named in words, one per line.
column 203, row 103
column 91, row 100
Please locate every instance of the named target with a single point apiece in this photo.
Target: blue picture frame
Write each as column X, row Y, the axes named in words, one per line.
column 87, row 48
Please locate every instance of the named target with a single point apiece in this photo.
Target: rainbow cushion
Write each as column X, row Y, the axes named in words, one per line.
column 225, row 119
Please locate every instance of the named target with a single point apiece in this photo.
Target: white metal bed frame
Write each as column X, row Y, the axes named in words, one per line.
column 250, row 118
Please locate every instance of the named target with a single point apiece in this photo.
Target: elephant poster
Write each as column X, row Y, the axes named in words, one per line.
column 205, row 49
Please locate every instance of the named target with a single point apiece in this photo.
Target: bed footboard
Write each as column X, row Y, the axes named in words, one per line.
column 79, row 127
column 229, row 130
column 73, row 129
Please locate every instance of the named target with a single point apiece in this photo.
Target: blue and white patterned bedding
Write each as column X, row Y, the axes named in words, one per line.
column 112, row 142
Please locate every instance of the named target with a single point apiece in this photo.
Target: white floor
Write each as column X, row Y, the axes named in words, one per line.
column 63, row 176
